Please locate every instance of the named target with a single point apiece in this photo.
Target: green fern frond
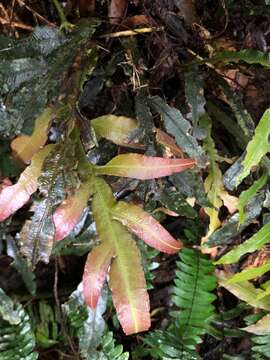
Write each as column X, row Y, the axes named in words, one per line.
column 17, row 340
column 261, row 346
column 192, row 294
column 110, row 351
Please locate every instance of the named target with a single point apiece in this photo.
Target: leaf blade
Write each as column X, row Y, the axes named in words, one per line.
column 145, row 227
column 143, row 167
column 15, row 196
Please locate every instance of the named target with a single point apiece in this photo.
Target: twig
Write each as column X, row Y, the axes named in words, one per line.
column 15, row 24
column 131, row 32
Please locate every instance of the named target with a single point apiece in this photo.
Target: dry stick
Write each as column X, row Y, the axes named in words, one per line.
column 131, row 32
column 15, row 24
column 59, row 309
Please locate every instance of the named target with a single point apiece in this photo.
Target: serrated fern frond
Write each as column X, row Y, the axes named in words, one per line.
column 261, row 346
column 192, row 294
column 17, row 341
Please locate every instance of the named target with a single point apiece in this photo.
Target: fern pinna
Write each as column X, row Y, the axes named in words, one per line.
column 192, row 294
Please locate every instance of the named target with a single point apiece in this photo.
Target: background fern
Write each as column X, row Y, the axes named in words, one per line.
column 192, row 294
column 17, row 341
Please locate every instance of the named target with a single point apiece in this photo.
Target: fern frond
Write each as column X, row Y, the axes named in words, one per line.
column 17, row 340
column 192, row 294
column 261, row 346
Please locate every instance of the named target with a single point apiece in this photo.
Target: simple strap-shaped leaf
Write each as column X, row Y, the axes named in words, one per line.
column 261, row 327
column 143, row 167
column 128, row 286
column 257, row 147
column 25, row 146
column 249, row 273
column 244, row 291
column 145, row 227
column 114, row 128
column 126, row 275
column 250, row 56
column 256, row 242
column 67, row 215
column 179, row 127
column 95, row 272
column 14, row 197
column 248, row 194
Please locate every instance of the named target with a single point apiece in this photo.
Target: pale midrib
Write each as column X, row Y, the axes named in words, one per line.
column 144, row 167
column 117, row 251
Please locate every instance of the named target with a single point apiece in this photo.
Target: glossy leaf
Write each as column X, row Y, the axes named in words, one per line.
column 256, row 242
column 56, row 179
column 126, row 282
column 67, row 215
column 14, row 197
column 248, row 194
column 245, row 291
column 143, row 167
column 145, row 227
column 257, row 147
column 114, row 128
column 261, row 327
column 179, row 127
column 25, row 146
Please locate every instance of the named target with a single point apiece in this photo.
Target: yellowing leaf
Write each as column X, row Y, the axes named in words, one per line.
column 262, row 327
column 245, row 291
column 14, row 197
column 257, row 147
column 213, row 183
column 145, row 227
column 128, row 287
column 68, row 213
column 24, row 146
column 143, row 167
column 126, row 275
column 114, row 128
column 249, row 273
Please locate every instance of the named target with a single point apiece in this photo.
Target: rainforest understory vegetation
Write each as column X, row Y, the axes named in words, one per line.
column 134, row 179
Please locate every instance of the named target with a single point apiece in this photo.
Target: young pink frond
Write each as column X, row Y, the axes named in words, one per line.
column 143, row 167
column 67, row 215
column 14, row 197
column 128, row 286
column 145, row 227
column 95, row 271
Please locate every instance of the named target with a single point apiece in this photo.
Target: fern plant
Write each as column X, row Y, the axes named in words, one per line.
column 17, row 340
column 192, row 295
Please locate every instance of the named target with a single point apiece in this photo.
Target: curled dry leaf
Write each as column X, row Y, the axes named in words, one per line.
column 143, row 167
column 14, row 197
